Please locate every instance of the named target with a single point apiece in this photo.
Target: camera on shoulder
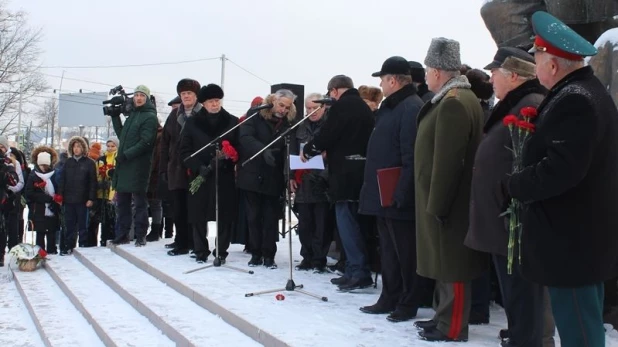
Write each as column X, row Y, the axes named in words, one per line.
column 121, row 103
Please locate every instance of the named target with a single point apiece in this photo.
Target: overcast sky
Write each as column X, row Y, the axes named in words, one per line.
column 302, row 42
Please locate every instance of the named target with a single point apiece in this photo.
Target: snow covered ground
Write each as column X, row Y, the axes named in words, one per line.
column 299, row 320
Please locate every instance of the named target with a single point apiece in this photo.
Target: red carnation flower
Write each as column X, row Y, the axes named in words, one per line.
column 298, row 175
column 510, row 120
column 230, row 151
column 527, row 126
column 58, row 199
column 40, row 184
column 529, row 112
column 42, row 253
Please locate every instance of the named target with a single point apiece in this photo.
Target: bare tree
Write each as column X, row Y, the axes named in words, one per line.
column 47, row 118
column 19, row 75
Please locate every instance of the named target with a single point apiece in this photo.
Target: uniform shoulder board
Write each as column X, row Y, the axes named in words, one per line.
column 453, row 93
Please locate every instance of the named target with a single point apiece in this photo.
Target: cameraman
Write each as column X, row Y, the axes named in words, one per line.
column 133, row 163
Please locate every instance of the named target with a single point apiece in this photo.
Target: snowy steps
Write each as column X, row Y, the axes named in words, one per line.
column 56, row 320
column 177, row 316
column 115, row 321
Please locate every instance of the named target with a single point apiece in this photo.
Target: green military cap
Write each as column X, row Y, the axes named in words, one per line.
column 556, row 38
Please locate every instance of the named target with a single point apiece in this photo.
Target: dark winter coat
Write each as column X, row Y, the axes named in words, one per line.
column 78, row 182
column 392, row 145
column 492, row 165
column 345, row 134
column 137, row 141
column 254, row 134
column 314, row 183
column 37, row 198
column 8, row 177
column 450, row 128
column 170, row 164
column 200, row 130
column 569, row 186
column 153, row 185
column 424, row 93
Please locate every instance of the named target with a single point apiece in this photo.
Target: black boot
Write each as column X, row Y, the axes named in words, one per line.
column 169, row 227
column 155, row 233
column 121, row 240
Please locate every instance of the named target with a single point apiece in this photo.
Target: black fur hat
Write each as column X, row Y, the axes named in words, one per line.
column 481, row 86
column 211, row 91
column 187, row 84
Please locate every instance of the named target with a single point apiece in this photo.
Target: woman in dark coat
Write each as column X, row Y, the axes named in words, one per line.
column 209, row 123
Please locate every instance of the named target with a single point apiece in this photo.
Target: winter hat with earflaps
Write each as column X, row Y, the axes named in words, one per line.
column 443, row 54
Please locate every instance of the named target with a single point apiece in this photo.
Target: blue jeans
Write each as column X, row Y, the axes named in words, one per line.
column 76, row 220
column 124, row 214
column 353, row 240
column 578, row 313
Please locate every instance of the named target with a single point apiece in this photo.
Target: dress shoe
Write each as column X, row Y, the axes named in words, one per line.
column 177, row 251
column 503, row 334
column 356, row 283
column 376, row 309
column 401, row 315
column 256, row 260
column 171, row 245
column 339, row 280
column 426, row 324
column 270, row 263
column 304, row 265
column 435, row 335
column 478, row 318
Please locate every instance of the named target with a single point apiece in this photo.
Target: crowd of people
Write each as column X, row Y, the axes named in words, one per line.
column 440, row 235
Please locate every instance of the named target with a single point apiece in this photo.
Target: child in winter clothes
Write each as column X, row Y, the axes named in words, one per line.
column 105, row 194
column 41, row 188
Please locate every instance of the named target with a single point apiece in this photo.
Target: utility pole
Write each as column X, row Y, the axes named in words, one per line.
column 19, row 137
column 222, row 70
column 59, row 127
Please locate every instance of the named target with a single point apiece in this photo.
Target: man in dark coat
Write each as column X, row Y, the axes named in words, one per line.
column 78, row 188
column 262, row 178
column 171, row 167
column 515, row 84
column 344, row 137
column 391, row 146
column 309, row 188
column 569, row 185
column 418, row 79
column 449, row 131
column 209, row 123
column 133, row 163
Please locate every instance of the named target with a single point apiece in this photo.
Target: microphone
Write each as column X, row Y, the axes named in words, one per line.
column 261, row 107
column 326, row 101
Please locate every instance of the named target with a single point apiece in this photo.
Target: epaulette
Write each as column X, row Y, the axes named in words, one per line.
column 453, row 93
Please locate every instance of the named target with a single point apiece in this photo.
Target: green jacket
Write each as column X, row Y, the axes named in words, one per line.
column 137, row 142
column 449, row 132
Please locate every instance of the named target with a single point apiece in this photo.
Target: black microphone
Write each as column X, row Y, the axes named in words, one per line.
column 261, row 107
column 326, row 101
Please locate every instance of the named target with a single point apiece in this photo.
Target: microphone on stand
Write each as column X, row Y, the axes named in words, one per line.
column 325, row 101
column 259, row 108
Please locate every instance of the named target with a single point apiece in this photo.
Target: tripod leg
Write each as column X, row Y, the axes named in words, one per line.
column 323, row 298
column 237, row 269
column 264, row 292
column 198, row 269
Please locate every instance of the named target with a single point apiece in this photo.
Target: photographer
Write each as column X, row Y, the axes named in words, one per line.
column 133, row 162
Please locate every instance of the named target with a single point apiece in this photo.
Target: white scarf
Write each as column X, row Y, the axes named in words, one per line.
column 49, row 189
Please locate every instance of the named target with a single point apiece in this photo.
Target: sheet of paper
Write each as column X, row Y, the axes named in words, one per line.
column 314, row 163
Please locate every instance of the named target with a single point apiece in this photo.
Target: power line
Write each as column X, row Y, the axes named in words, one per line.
column 128, row 65
column 249, row 72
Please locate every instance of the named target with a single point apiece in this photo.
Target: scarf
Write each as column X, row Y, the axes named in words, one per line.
column 49, row 189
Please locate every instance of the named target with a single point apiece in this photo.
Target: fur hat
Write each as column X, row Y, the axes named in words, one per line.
column 211, row 91
column 43, row 158
column 36, row 154
column 81, row 141
column 4, row 142
column 481, row 86
column 371, row 93
column 142, row 89
column 443, row 54
column 113, row 139
column 188, row 85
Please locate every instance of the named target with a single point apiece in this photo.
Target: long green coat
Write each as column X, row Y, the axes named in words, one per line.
column 137, row 141
column 449, row 132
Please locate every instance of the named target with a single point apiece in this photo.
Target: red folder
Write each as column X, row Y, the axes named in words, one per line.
column 387, row 182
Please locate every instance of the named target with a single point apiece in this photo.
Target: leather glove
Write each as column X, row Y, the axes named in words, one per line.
column 269, row 157
column 205, row 171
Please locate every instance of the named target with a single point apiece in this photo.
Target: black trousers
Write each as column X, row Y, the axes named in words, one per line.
column 402, row 288
column 108, row 221
column 93, row 223
column 200, row 238
column 11, row 231
column 523, row 304
column 47, row 232
column 224, row 235
column 262, row 216
column 183, row 237
column 314, row 232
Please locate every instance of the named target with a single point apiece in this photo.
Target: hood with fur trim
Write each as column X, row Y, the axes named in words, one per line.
column 52, row 152
column 268, row 113
column 79, row 140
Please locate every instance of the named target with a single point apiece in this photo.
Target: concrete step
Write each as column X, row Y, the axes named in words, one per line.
column 116, row 322
column 58, row 322
column 182, row 320
column 16, row 325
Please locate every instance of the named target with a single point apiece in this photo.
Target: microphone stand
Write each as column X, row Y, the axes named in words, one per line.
column 217, row 261
column 290, row 286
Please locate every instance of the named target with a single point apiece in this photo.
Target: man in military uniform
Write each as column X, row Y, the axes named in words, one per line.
column 569, row 185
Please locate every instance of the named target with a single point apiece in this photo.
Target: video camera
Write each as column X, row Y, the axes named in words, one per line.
column 120, row 104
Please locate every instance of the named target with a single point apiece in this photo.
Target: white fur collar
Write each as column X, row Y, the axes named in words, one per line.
column 455, row 82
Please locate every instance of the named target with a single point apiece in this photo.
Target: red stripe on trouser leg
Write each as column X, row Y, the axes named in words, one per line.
column 457, row 315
